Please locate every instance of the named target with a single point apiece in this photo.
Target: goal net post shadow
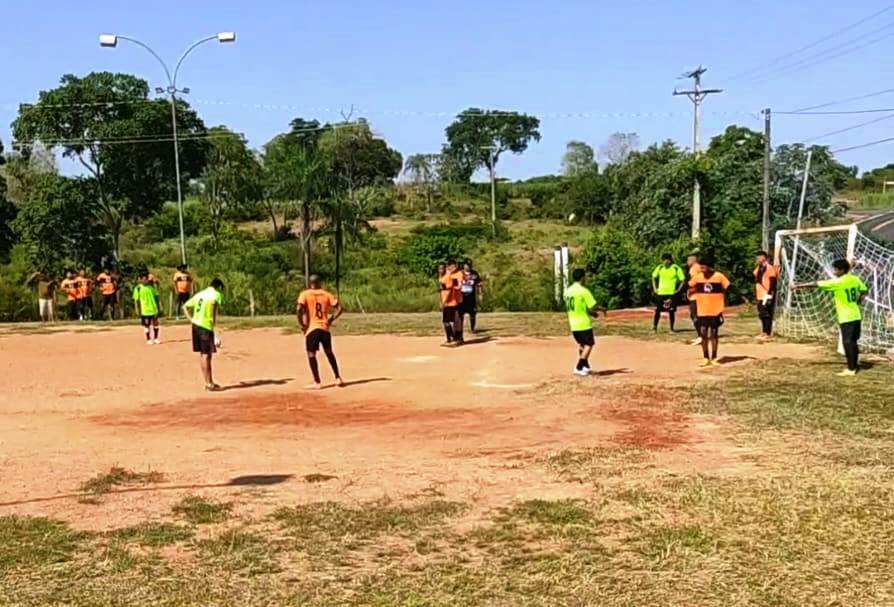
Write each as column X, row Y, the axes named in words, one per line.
column 805, row 256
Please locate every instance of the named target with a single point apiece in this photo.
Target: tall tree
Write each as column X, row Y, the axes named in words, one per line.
column 354, row 158
column 578, row 157
column 232, row 177
column 475, row 130
column 122, row 139
column 7, row 213
column 422, row 170
column 25, row 168
column 618, row 148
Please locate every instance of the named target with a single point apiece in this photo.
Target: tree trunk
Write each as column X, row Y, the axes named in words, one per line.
column 338, row 248
column 305, row 239
column 271, row 208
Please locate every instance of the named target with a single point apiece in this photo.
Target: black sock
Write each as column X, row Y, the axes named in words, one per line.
column 155, row 330
column 146, row 331
column 314, row 369
column 458, row 335
column 448, row 330
column 673, row 319
column 333, row 363
column 472, row 320
column 656, row 319
column 582, row 364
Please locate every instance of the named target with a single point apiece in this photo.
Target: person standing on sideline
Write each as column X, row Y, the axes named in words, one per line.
column 70, row 286
column 202, row 310
column 145, row 297
column 84, row 287
column 46, row 295
column 317, row 309
column 849, row 292
column 472, row 292
column 692, row 270
column 581, row 307
column 451, row 300
column 766, row 282
column 182, row 287
column 667, row 279
column 109, row 289
column 709, row 289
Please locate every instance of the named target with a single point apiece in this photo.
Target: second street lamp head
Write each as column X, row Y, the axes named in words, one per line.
column 224, row 37
column 108, row 40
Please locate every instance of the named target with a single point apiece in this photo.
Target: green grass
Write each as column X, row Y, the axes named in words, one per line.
column 27, row 542
column 153, row 535
column 200, row 511
column 238, row 550
column 116, row 477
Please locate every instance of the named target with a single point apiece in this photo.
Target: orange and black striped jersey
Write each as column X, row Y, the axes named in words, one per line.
column 709, row 293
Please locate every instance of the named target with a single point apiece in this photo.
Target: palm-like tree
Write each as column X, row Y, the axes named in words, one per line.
column 422, row 169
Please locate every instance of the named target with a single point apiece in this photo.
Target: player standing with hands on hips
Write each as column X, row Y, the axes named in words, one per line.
column 201, row 310
column 315, row 315
column 849, row 292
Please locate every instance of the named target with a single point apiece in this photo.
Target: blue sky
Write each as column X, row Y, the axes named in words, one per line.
column 586, row 67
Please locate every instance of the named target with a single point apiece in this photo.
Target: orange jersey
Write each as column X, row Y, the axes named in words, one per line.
column 106, row 284
column 709, row 293
column 69, row 285
column 694, row 272
column 451, row 293
column 765, row 278
column 183, row 282
column 317, row 303
column 84, row 286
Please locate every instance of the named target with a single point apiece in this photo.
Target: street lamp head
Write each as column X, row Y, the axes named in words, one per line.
column 224, row 37
column 108, row 40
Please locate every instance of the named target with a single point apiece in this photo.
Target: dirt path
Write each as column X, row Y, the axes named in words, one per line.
column 414, row 418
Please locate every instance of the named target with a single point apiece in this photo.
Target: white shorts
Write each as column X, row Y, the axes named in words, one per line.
column 47, row 308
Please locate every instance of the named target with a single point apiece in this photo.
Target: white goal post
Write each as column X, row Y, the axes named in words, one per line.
column 806, row 255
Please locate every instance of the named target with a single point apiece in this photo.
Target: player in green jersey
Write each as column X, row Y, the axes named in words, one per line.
column 145, row 297
column 201, row 310
column 581, row 307
column 667, row 281
column 849, row 292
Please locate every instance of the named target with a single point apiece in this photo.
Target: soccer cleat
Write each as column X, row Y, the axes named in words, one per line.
column 339, row 382
column 707, row 363
column 696, row 342
column 582, row 372
column 847, row 373
column 715, row 363
column 212, row 388
column 156, row 341
column 313, row 387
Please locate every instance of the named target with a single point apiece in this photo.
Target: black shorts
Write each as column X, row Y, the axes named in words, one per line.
column 203, row 340
column 449, row 314
column 182, row 298
column 766, row 311
column 148, row 321
column 317, row 338
column 469, row 305
column 584, row 338
column 110, row 300
column 666, row 303
column 851, row 331
column 710, row 322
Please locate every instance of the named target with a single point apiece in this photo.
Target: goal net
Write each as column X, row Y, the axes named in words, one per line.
column 806, row 256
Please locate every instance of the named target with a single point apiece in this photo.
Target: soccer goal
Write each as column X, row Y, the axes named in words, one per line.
column 806, row 255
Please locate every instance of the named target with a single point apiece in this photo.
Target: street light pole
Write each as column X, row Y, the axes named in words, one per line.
column 111, row 41
column 493, row 189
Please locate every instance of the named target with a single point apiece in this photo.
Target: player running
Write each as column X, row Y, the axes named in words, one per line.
column 766, row 282
column 145, row 297
column 849, row 292
column 202, row 310
column 581, row 307
column 182, row 287
column 109, row 289
column 667, row 279
column 709, row 289
column 315, row 315
column 451, row 300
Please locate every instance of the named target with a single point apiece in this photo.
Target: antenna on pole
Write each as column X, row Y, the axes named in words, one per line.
column 697, row 95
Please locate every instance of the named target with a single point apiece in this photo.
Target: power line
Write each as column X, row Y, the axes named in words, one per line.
column 849, row 128
column 840, row 101
column 862, row 145
column 118, row 141
column 811, row 45
column 880, row 110
column 822, row 57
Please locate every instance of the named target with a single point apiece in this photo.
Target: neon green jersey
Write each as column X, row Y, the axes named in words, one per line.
column 578, row 302
column 147, row 297
column 669, row 278
column 202, row 304
column 847, row 290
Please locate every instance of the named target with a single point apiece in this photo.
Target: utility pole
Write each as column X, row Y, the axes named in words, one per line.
column 696, row 95
column 493, row 187
column 765, row 217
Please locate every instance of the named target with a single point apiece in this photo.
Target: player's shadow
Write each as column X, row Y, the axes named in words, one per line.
column 610, row 372
column 257, row 383
column 360, row 382
column 258, row 480
column 724, row 360
column 478, row 340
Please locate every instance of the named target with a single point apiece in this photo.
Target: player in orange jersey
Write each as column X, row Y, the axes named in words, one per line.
column 317, row 309
column 709, row 289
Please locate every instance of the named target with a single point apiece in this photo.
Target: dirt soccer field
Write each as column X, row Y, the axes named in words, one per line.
column 491, row 461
